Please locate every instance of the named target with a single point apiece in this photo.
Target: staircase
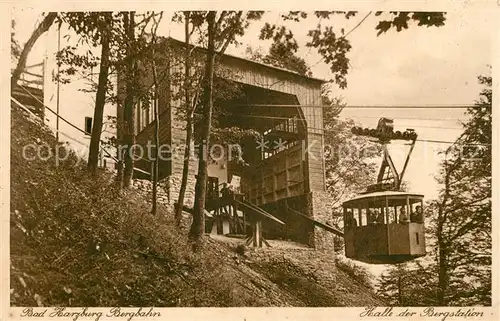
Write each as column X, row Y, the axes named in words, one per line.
column 29, row 89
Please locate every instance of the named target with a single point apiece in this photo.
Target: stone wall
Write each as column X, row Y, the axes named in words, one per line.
column 168, row 189
column 322, row 212
column 175, row 185
column 145, row 187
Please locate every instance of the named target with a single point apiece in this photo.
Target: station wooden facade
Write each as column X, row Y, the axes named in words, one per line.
column 289, row 173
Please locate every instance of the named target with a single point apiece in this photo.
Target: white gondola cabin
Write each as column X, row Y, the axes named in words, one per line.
column 384, row 227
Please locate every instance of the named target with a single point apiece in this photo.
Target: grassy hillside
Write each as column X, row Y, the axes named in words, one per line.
column 77, row 241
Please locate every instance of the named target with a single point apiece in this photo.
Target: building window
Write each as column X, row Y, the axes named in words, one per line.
column 145, row 113
column 290, row 125
column 88, row 125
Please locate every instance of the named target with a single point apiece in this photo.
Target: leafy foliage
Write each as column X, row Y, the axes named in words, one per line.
column 333, row 45
column 81, row 60
column 461, row 217
column 401, row 19
column 282, row 56
column 333, row 49
column 229, row 25
column 127, row 45
column 349, row 159
column 41, row 28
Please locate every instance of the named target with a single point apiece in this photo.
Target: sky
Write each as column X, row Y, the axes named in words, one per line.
column 419, row 66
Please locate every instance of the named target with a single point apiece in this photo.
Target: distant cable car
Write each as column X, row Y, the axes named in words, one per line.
column 385, row 225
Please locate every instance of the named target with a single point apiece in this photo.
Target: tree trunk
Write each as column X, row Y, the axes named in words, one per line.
column 129, row 113
column 99, row 103
column 157, row 124
column 119, row 167
column 156, row 139
column 40, row 30
column 189, row 125
column 185, row 170
column 442, row 263
column 400, row 291
column 119, row 141
column 443, row 273
column 198, row 225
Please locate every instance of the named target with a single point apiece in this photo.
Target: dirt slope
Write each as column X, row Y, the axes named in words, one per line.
column 77, row 241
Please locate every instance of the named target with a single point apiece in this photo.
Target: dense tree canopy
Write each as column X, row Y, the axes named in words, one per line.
column 408, row 284
column 461, row 217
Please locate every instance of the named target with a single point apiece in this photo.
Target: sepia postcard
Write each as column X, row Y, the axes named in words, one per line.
column 267, row 161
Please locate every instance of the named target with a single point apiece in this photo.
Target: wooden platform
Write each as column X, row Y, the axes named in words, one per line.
column 253, row 215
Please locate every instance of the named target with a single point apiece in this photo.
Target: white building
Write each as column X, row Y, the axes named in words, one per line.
column 73, row 102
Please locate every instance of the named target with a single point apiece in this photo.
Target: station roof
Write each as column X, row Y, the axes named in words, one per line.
column 260, row 64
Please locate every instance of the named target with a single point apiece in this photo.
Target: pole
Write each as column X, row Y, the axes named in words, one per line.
column 58, row 84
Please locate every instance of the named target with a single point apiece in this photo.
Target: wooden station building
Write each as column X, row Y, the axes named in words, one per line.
column 287, row 177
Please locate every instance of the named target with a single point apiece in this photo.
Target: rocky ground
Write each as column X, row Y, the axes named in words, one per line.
column 314, row 278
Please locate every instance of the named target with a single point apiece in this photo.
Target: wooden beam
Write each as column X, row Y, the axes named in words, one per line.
column 245, row 223
column 31, row 82
column 257, row 241
column 40, row 64
column 284, row 135
column 266, row 242
column 317, row 223
column 185, row 208
column 257, row 210
column 32, row 74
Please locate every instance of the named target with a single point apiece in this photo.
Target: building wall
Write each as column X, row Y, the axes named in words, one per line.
column 145, row 135
column 297, row 228
column 278, row 177
column 175, row 178
column 74, row 106
column 322, row 212
column 308, row 93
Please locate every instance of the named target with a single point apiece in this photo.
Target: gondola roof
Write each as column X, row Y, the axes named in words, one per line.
column 379, row 195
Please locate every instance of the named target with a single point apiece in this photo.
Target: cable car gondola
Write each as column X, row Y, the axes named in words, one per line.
column 385, row 225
